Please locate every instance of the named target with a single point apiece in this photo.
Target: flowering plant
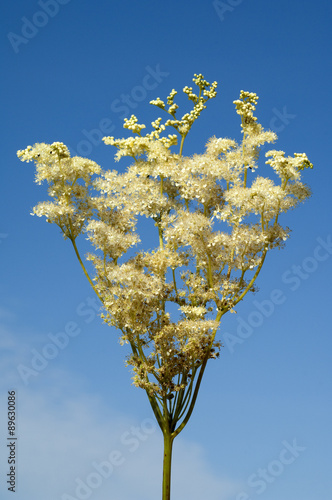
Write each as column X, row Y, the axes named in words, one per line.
column 215, row 224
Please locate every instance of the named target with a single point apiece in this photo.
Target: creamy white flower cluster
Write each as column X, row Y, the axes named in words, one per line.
column 211, row 222
column 68, row 179
column 245, row 107
column 206, row 92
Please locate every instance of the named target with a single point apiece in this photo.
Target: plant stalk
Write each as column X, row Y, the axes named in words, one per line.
column 168, row 444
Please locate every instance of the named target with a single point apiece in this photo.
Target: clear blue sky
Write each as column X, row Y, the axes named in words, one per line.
column 262, row 424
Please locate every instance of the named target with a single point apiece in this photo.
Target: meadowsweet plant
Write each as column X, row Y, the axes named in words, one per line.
column 215, row 218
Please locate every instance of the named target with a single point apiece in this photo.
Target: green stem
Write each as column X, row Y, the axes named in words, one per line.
column 168, row 444
column 174, row 281
column 156, row 410
column 245, row 177
column 210, row 278
column 181, row 145
column 161, row 241
column 152, row 399
column 85, row 271
column 253, row 279
column 183, row 401
column 193, row 400
column 243, row 150
column 198, row 382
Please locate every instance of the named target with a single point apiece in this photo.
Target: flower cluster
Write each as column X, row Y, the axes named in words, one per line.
column 68, row 179
column 214, row 227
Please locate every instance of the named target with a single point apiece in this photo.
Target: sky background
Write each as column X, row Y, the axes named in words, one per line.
column 267, row 400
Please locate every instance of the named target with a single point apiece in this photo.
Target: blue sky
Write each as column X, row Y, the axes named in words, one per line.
column 262, row 424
